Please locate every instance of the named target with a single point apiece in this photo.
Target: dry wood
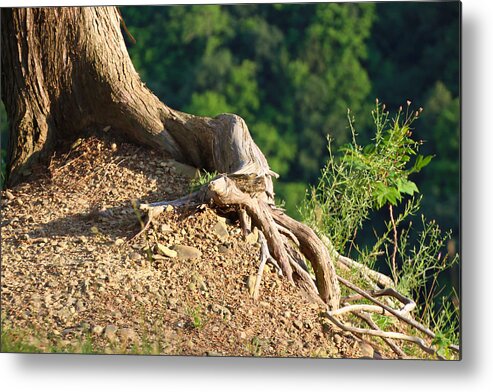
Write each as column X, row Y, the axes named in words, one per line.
column 315, row 251
column 264, row 256
column 395, row 348
column 389, row 335
column 394, row 312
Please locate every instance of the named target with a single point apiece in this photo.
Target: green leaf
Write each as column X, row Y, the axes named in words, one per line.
column 406, row 186
column 421, row 162
column 369, row 149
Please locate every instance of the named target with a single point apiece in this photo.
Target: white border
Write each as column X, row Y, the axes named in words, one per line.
column 119, row 373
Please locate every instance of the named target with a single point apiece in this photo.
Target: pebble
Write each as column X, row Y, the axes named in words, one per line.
column 166, row 251
column 119, row 242
column 221, row 229
column 135, row 256
column 110, row 332
column 97, row 330
column 186, row 252
column 165, row 228
column 366, row 350
column 252, row 237
column 128, row 334
column 298, row 324
column 337, row 339
column 251, row 284
column 9, row 195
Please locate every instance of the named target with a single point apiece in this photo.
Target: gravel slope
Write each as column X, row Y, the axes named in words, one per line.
column 70, row 271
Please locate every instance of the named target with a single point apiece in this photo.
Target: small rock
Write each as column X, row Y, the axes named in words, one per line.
column 252, row 238
column 127, row 334
column 222, row 249
column 298, row 324
column 213, row 354
column 308, row 324
column 366, row 350
column 9, row 195
column 166, row 251
column 186, row 252
column 184, row 170
column 119, row 242
column 337, row 339
column 113, row 147
column 222, row 311
column 221, row 230
column 135, row 256
column 110, row 332
column 251, row 284
column 169, row 208
column 165, row 228
column 94, row 230
column 97, row 330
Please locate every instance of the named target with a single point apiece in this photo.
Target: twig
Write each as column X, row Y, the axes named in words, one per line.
column 245, row 222
column 409, row 304
column 264, row 256
column 377, row 277
column 390, row 335
column 367, row 318
column 394, row 254
column 396, row 313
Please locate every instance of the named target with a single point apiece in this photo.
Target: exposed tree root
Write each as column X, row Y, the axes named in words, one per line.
column 389, row 335
column 367, row 318
column 286, row 243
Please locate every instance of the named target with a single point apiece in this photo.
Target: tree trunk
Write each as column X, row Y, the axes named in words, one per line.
column 65, row 70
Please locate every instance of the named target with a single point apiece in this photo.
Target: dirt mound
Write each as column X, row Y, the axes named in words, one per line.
column 72, row 275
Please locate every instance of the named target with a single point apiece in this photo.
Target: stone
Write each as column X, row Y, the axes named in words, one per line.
column 252, row 237
column 186, row 252
column 222, row 311
column 165, row 228
column 94, row 230
column 164, row 250
column 221, row 230
column 169, row 208
column 119, row 242
column 251, row 284
column 97, row 330
column 184, row 170
column 366, row 350
column 9, row 195
column 110, row 332
column 135, row 256
column 298, row 324
column 128, row 334
column 222, row 249
column 337, row 339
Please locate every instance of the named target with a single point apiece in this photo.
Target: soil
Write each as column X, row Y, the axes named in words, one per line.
column 72, row 270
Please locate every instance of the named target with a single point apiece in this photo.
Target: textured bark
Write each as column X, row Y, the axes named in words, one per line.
column 66, row 70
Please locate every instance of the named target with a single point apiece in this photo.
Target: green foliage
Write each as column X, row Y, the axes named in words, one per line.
column 203, row 178
column 366, row 178
column 196, row 317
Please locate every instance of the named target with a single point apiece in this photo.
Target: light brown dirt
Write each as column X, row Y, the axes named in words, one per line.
column 70, row 270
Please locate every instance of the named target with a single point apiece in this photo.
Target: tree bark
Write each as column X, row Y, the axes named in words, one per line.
column 66, row 70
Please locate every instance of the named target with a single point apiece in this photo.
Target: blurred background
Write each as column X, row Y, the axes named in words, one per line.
column 292, row 71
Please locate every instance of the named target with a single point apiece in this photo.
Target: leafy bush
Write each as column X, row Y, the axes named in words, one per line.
column 363, row 179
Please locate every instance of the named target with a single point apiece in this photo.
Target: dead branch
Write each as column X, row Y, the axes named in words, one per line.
column 367, row 318
column 390, row 335
column 394, row 312
column 264, row 256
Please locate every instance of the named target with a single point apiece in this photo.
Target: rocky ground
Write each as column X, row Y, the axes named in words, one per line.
column 71, row 272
